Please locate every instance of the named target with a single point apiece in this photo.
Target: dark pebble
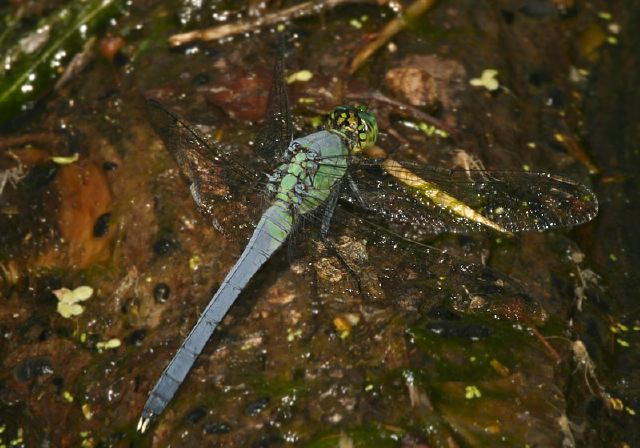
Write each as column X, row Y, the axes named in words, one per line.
column 201, row 79
column 161, row 292
column 32, row 368
column 109, row 166
column 196, row 415
column 164, row 246
column 58, row 382
column 539, row 77
column 557, row 98
column 101, row 227
column 136, row 338
column 507, row 16
column 120, row 59
column 257, row 406
column 217, row 428
column 44, row 335
column 537, row 9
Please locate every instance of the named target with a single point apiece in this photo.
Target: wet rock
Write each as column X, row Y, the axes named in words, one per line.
column 428, row 81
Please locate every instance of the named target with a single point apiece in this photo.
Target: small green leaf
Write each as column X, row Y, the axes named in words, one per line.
column 68, row 310
column 68, row 300
column 471, row 392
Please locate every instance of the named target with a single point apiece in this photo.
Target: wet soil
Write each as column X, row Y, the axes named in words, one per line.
column 304, row 358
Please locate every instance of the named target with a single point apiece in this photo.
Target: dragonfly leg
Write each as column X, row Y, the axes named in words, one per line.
column 357, row 195
column 324, row 231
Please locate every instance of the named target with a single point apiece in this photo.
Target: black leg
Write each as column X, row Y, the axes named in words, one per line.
column 324, row 231
column 358, row 196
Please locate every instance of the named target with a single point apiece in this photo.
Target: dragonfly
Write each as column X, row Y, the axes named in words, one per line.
column 325, row 178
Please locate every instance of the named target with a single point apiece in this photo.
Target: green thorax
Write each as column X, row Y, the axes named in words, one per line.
column 314, row 164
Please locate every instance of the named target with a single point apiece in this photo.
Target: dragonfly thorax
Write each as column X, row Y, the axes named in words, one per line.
column 357, row 126
column 311, row 166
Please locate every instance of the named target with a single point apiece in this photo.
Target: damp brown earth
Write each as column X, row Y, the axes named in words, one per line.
column 106, row 262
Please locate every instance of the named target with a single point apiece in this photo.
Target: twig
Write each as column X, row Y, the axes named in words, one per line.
column 294, row 12
column 38, row 138
column 552, row 351
column 394, row 27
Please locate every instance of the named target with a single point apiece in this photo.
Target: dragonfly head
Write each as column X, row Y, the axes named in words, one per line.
column 356, row 124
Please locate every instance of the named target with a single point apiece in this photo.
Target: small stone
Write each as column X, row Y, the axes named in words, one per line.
column 161, row 292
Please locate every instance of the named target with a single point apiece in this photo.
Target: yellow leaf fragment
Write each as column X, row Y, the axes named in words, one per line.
column 82, row 293
column 500, row 368
column 110, row 344
column 622, row 343
column 293, row 334
column 471, row 392
column 195, row 262
column 86, row 411
column 343, row 326
column 487, row 80
column 615, row 403
column 300, row 76
column 355, row 23
column 68, row 397
column 65, row 160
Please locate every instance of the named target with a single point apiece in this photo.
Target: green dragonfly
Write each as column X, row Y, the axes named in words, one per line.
column 323, row 178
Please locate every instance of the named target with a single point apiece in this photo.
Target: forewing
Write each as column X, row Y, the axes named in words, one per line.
column 277, row 130
column 213, row 175
column 506, row 201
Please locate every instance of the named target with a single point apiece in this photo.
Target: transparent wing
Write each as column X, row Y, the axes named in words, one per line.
column 214, row 176
column 389, row 266
column 425, row 200
column 277, row 130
